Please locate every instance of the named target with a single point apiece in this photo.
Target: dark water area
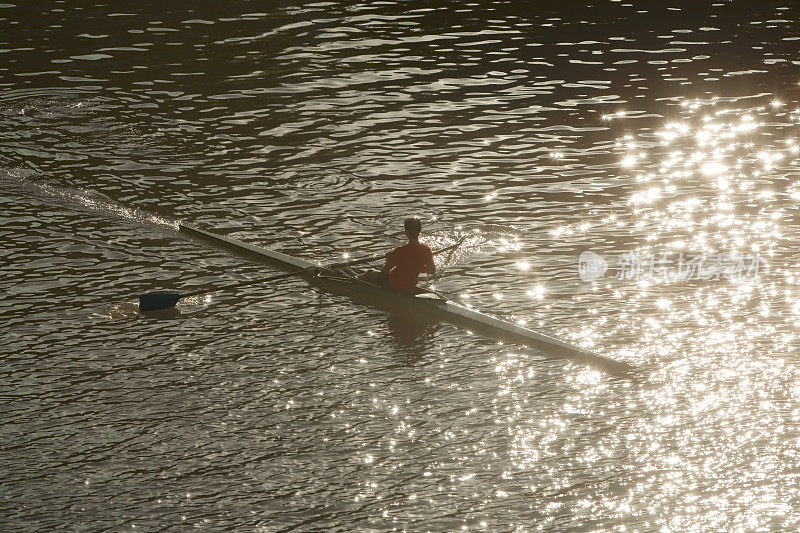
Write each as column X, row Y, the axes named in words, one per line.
column 657, row 141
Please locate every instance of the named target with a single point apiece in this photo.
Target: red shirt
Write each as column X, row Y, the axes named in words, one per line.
column 407, row 263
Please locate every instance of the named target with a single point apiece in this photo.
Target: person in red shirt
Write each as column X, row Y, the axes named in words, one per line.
column 405, row 263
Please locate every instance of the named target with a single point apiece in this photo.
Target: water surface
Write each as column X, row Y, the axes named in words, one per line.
column 665, row 132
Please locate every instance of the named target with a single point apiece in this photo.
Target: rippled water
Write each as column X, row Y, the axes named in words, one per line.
column 663, row 136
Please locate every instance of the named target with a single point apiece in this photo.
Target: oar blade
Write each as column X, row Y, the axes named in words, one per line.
column 153, row 301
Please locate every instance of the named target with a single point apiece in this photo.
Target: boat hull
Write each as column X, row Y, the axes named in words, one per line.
column 421, row 304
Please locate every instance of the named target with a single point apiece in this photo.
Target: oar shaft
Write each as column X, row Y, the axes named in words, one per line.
column 451, row 247
column 278, row 277
column 248, row 282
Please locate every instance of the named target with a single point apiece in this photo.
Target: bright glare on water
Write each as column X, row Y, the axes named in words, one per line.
column 623, row 176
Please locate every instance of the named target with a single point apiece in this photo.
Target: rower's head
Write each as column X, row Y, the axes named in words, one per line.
column 413, row 228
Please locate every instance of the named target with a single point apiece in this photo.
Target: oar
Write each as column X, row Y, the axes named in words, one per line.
column 154, row 301
column 450, row 255
column 452, row 249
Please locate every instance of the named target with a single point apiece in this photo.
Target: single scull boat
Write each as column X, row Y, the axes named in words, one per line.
column 424, row 303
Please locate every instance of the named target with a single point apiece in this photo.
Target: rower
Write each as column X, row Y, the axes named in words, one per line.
column 405, row 263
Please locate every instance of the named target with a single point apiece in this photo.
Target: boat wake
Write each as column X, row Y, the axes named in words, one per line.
column 27, row 183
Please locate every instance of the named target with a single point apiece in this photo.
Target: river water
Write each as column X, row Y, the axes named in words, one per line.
column 655, row 139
